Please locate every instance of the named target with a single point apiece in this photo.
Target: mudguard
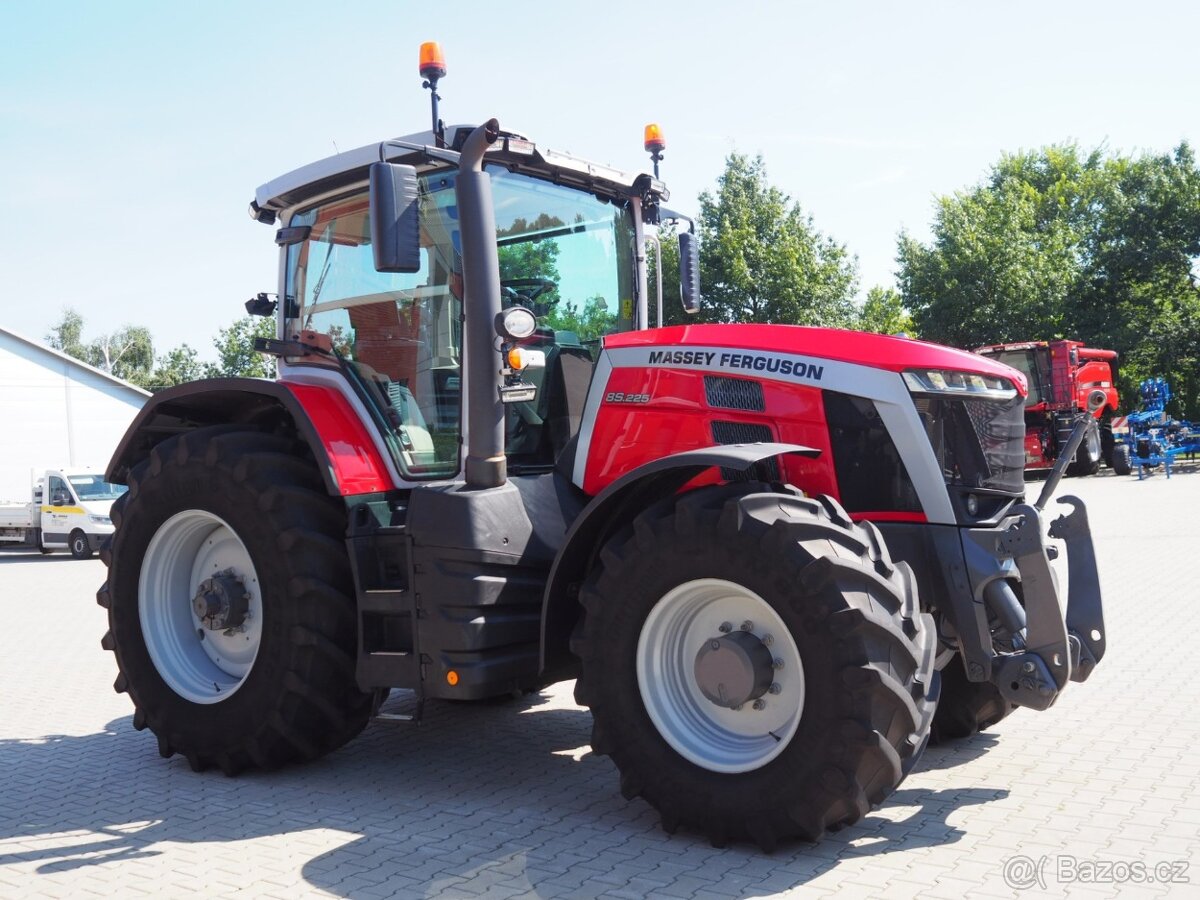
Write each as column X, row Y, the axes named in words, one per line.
column 615, row 507
column 340, row 443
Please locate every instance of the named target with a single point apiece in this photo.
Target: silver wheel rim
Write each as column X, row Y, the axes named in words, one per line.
column 188, row 548
column 711, row 736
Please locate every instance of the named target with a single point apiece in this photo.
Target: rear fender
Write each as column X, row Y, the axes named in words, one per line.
column 319, row 415
column 612, row 509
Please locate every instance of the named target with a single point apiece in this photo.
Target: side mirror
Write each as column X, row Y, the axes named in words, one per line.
column 689, row 272
column 59, row 498
column 395, row 221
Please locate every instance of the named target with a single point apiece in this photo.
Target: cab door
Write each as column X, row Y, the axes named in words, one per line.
column 58, row 502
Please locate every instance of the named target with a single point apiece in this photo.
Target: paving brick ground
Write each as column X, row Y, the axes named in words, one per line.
column 506, row 800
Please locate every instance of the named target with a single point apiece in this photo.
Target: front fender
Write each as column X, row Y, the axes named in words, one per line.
column 615, row 507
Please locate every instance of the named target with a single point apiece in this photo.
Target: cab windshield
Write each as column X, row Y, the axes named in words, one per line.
column 565, row 254
column 1025, row 362
column 93, row 487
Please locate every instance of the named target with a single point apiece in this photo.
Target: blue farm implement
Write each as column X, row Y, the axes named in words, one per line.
column 1149, row 437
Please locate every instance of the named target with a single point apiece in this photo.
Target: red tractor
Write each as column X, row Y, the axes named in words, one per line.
column 1061, row 376
column 763, row 552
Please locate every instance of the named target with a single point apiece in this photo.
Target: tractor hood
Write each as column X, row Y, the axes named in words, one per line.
column 894, row 354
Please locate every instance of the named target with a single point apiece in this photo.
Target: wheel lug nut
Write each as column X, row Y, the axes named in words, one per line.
column 775, row 688
column 747, row 625
column 714, row 645
column 725, row 628
column 760, row 704
column 767, row 640
column 777, row 662
column 736, row 708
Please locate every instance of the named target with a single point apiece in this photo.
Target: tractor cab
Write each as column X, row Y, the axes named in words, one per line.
column 569, row 236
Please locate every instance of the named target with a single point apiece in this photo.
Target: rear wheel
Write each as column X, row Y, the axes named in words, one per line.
column 966, row 707
column 1122, row 462
column 230, row 600
column 755, row 664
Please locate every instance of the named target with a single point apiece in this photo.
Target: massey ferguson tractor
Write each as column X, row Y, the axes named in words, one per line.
column 1061, row 376
column 764, row 552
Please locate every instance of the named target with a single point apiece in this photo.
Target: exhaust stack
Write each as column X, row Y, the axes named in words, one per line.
column 486, row 465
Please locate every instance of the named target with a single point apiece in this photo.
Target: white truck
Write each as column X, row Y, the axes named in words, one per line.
column 68, row 510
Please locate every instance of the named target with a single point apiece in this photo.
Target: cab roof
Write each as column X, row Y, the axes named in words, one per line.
column 344, row 170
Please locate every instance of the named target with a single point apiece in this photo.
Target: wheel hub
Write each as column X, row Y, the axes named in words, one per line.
column 221, row 602
column 734, row 669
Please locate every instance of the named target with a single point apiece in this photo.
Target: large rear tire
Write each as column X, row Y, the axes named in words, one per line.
column 804, row 601
column 966, row 707
column 240, row 521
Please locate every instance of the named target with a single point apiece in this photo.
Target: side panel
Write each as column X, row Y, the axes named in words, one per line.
column 647, row 402
column 675, row 416
column 357, row 465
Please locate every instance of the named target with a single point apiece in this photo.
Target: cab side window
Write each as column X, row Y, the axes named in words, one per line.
column 59, row 494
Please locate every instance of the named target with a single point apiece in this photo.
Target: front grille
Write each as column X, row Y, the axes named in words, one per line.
column 734, row 393
column 978, row 443
column 746, row 433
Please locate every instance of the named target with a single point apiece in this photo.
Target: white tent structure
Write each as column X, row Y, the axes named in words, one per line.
column 56, row 411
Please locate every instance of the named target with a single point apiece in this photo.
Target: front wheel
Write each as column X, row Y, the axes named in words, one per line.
column 966, row 707
column 1122, row 463
column 1087, row 457
column 81, row 548
column 231, row 603
column 755, row 664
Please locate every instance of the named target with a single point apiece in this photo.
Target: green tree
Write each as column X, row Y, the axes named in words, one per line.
column 127, row 353
column 763, row 260
column 178, row 366
column 67, row 335
column 883, row 312
column 588, row 323
column 236, row 356
column 1056, row 243
column 531, row 259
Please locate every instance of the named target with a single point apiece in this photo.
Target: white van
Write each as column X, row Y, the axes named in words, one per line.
column 69, row 510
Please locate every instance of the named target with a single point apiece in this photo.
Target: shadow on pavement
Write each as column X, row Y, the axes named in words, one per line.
column 477, row 793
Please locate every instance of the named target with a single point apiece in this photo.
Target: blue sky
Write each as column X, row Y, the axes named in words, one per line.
column 133, row 135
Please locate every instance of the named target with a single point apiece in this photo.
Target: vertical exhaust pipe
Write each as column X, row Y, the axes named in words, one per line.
column 486, row 465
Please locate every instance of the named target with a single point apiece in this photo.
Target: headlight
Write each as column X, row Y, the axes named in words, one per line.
column 515, row 323
column 100, row 520
column 964, row 384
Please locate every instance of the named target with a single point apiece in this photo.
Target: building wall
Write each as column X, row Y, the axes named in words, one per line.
column 56, row 412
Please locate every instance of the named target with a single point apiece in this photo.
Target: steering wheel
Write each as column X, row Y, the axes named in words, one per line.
column 526, row 290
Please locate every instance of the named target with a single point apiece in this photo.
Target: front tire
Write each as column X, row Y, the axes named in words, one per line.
column 1087, row 457
column 803, row 600
column 1122, row 463
column 264, row 673
column 80, row 547
column 966, row 707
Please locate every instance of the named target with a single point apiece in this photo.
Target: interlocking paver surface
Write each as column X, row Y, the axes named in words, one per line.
column 505, row 799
